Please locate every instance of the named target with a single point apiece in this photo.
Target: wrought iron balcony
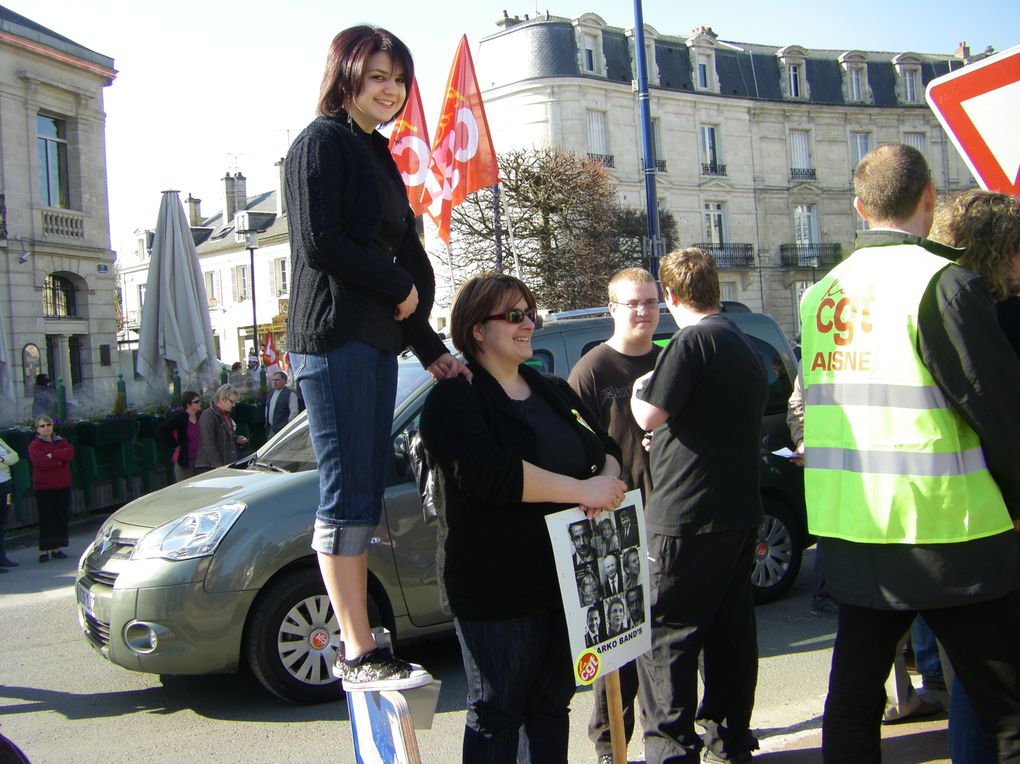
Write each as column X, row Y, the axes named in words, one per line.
column 730, row 255
column 810, row 255
column 606, row 160
column 802, row 173
column 713, row 168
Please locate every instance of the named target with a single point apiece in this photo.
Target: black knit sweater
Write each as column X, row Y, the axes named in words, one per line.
column 332, row 190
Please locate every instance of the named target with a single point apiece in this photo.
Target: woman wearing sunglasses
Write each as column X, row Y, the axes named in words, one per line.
column 181, row 431
column 510, row 447
column 51, row 457
column 361, row 292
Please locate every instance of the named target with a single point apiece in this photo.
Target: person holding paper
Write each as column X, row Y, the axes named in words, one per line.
column 509, row 448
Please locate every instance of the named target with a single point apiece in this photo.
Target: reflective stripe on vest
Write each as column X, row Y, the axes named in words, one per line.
column 887, row 458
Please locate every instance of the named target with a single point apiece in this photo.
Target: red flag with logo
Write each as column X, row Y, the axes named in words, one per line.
column 269, row 351
column 409, row 145
column 463, row 159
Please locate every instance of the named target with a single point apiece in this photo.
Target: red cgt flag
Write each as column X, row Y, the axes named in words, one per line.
column 409, row 145
column 269, row 357
column 463, row 159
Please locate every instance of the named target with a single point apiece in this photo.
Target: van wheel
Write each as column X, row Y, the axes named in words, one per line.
column 778, row 552
column 293, row 637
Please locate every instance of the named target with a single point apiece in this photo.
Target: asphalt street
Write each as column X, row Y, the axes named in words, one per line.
column 61, row 702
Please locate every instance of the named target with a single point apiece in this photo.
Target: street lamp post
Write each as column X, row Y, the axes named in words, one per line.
column 247, row 227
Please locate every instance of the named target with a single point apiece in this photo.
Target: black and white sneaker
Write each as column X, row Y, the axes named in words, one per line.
column 379, row 669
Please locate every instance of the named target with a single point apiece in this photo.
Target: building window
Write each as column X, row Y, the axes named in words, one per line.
column 805, row 224
column 212, row 288
column 855, row 83
column 591, row 60
column 280, row 284
column 793, row 72
column 706, row 70
column 860, row 144
column 52, row 140
column 800, row 155
column 59, row 298
column 728, row 291
column 141, row 300
column 711, row 151
column 915, row 140
column 598, row 139
column 240, row 282
column 660, row 163
column 714, row 224
column 911, row 85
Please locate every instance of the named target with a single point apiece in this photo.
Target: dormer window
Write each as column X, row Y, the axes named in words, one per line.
column 855, row 71
column 651, row 64
column 908, row 67
column 792, row 60
column 702, row 42
column 588, row 33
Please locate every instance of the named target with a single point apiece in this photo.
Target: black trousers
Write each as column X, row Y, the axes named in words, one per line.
column 981, row 642
column 6, row 493
column 53, row 507
column 598, row 725
column 702, row 603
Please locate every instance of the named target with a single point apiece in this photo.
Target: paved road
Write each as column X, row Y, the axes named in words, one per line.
column 61, row 703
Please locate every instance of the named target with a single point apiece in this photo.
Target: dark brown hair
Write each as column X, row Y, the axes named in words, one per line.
column 190, row 396
column 889, row 181
column 345, row 65
column 691, row 275
column 479, row 297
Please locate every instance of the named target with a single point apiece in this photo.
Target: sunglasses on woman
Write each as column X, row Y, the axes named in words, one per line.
column 514, row 316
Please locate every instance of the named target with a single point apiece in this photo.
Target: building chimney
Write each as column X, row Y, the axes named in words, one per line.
column 229, row 200
column 281, row 187
column 963, row 50
column 194, row 211
column 240, row 193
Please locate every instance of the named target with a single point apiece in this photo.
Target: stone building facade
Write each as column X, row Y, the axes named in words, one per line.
column 754, row 144
column 56, row 274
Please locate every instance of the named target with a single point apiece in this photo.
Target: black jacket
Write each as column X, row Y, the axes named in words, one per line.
column 331, row 186
column 495, row 558
column 174, row 432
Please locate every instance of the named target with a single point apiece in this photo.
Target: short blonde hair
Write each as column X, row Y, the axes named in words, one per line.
column 41, row 419
column 632, row 275
column 223, row 392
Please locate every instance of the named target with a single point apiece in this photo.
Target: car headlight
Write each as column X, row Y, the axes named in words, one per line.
column 197, row 534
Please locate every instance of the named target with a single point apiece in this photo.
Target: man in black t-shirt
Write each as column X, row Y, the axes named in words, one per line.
column 603, row 378
column 705, row 400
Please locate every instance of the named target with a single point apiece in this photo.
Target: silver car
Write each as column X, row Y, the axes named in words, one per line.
column 217, row 572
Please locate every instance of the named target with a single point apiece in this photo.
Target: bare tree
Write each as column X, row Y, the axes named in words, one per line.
column 569, row 234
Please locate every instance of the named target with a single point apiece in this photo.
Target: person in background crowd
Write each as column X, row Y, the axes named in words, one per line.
column 282, row 405
column 43, row 399
column 183, row 432
column 8, row 458
column 361, row 292
column 986, row 226
column 51, row 456
column 705, row 400
column 929, row 526
column 217, row 440
column 603, row 378
column 509, row 448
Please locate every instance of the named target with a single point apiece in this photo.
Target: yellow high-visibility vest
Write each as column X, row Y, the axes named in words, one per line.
column 887, row 458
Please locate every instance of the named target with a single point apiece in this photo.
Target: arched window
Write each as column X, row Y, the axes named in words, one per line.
column 59, row 298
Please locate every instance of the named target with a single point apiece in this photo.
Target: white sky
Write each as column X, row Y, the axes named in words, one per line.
column 206, row 87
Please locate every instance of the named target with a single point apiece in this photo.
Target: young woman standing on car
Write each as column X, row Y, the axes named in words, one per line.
column 511, row 447
column 362, row 291
column 51, row 457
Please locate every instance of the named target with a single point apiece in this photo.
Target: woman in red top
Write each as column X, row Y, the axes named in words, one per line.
column 51, row 458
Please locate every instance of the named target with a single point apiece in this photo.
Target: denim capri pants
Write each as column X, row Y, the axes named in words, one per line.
column 349, row 394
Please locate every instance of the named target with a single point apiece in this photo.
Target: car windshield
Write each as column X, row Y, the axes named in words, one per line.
column 292, row 450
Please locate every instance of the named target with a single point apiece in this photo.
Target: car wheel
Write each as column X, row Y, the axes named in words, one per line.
column 292, row 639
column 777, row 554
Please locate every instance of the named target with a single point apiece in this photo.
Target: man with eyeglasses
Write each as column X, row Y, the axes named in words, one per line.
column 282, row 405
column 603, row 378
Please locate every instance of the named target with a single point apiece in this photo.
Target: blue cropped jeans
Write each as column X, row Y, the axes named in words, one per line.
column 349, row 394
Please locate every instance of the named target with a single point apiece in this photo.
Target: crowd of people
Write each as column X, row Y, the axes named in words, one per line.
column 900, row 417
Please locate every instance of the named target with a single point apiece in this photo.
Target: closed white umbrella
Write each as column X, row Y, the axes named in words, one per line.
column 175, row 322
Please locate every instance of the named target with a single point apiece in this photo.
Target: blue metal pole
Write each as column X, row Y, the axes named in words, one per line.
column 651, row 203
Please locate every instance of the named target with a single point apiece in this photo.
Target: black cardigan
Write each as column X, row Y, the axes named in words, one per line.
column 331, row 186
column 495, row 558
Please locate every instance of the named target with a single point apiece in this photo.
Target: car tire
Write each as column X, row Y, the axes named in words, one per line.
column 777, row 553
column 293, row 636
